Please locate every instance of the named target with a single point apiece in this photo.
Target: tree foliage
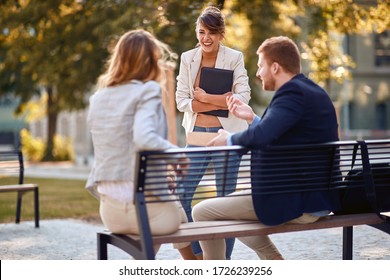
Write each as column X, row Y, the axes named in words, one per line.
column 262, row 16
column 58, row 48
column 327, row 22
column 177, row 26
column 317, row 26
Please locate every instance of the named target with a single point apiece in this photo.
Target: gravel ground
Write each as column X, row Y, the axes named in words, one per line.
column 76, row 240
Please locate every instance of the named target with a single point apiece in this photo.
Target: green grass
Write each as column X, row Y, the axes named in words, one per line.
column 58, row 199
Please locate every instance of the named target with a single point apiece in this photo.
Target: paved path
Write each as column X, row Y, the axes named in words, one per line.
column 63, row 170
column 75, row 239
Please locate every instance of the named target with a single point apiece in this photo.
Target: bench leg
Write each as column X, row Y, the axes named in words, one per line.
column 36, row 207
column 18, row 207
column 347, row 243
column 101, row 247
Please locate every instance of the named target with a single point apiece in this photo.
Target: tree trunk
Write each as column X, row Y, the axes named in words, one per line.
column 52, row 114
column 327, row 85
column 221, row 4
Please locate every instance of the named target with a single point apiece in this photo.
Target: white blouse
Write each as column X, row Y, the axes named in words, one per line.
column 122, row 191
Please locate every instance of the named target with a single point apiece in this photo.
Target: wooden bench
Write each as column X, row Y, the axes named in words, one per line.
column 335, row 158
column 12, row 180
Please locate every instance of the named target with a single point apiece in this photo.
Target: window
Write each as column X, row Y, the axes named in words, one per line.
column 381, row 116
column 382, row 49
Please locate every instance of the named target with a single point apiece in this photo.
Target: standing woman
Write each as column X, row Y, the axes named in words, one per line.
column 194, row 101
column 126, row 115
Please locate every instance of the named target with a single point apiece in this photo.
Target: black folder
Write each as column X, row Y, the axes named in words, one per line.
column 216, row 81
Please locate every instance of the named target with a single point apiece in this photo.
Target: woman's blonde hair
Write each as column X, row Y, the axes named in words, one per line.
column 138, row 55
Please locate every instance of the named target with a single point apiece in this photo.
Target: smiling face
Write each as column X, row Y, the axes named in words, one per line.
column 208, row 40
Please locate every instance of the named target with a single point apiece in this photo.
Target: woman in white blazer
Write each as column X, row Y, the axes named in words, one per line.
column 194, row 101
column 126, row 115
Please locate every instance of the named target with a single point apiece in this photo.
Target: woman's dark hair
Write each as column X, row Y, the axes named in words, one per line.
column 213, row 19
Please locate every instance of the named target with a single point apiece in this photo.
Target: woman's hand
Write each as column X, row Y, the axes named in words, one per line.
column 200, row 95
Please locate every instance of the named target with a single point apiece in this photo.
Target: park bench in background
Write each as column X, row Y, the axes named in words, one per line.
column 317, row 167
column 12, row 180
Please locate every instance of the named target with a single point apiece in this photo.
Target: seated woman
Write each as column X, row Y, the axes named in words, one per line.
column 126, row 115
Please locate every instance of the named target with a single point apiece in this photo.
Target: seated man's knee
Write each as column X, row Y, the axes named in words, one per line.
column 211, row 209
column 198, row 212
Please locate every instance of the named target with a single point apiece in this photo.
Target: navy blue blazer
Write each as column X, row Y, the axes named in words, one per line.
column 300, row 112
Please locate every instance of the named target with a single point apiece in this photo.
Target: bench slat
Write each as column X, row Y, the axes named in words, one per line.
column 22, row 187
column 226, row 229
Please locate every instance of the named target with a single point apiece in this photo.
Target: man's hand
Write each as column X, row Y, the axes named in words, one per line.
column 175, row 170
column 182, row 166
column 220, row 140
column 171, row 178
column 240, row 109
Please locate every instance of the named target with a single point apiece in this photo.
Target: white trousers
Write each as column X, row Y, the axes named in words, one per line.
column 233, row 207
column 121, row 217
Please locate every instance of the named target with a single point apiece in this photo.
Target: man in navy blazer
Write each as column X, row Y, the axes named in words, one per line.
column 300, row 112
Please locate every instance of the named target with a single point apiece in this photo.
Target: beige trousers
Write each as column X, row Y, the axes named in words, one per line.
column 121, row 217
column 235, row 207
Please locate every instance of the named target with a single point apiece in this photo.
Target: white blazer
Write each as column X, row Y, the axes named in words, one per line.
column 227, row 58
column 122, row 120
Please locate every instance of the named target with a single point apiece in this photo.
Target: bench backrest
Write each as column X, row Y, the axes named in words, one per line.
column 293, row 168
column 11, row 167
column 282, row 169
column 9, row 140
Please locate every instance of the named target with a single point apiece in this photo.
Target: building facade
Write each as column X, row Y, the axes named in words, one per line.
column 365, row 111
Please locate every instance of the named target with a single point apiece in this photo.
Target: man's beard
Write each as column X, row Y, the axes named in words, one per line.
column 269, row 84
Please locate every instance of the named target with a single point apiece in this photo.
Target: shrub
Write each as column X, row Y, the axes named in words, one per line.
column 33, row 148
column 63, row 148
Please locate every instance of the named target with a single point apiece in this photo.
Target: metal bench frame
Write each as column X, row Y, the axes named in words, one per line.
column 20, row 187
column 141, row 246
